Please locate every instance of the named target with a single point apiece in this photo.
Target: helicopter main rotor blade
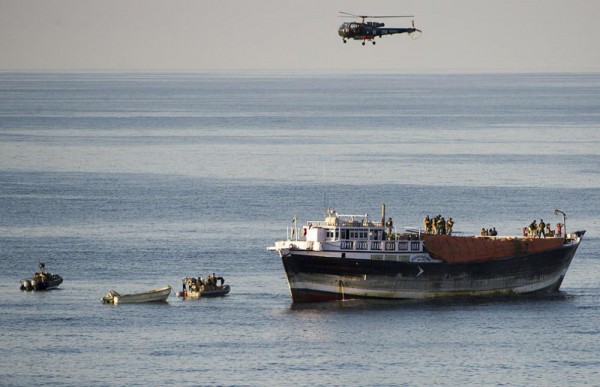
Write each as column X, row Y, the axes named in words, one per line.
column 347, row 14
column 382, row 17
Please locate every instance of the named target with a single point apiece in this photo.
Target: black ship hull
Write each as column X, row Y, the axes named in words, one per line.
column 314, row 277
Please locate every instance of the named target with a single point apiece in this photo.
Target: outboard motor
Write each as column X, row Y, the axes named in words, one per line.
column 25, row 284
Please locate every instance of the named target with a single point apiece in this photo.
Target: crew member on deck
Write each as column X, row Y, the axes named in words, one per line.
column 389, row 225
column 449, row 224
column 441, row 225
column 542, row 229
column 533, row 229
column 549, row 231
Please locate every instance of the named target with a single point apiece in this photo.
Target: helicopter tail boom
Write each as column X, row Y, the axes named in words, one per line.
column 391, row 31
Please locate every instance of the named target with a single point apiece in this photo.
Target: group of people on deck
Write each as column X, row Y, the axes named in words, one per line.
column 438, row 225
column 489, row 232
column 541, row 229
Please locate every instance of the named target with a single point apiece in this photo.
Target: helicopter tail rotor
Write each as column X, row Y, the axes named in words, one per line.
column 416, row 34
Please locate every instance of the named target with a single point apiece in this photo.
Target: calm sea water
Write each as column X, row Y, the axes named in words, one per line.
column 134, row 181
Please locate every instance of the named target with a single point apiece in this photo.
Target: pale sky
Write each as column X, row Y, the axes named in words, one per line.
column 198, row 35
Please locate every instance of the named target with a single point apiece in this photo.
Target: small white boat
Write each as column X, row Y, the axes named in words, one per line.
column 155, row 295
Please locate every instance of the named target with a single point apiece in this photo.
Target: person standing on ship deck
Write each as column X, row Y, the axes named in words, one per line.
column 542, row 229
column 427, row 224
column 440, row 225
column 533, row 229
column 449, row 224
column 389, row 226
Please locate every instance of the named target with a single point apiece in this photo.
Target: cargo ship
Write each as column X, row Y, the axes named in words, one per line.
column 350, row 256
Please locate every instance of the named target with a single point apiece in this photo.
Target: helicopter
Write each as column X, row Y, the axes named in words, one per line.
column 368, row 30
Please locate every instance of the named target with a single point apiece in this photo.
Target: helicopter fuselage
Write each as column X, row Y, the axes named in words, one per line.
column 369, row 30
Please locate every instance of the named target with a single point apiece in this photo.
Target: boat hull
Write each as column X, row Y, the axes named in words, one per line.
column 53, row 282
column 195, row 295
column 216, row 292
column 315, row 278
column 156, row 295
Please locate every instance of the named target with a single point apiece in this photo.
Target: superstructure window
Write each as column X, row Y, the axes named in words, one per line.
column 355, row 234
column 358, row 234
